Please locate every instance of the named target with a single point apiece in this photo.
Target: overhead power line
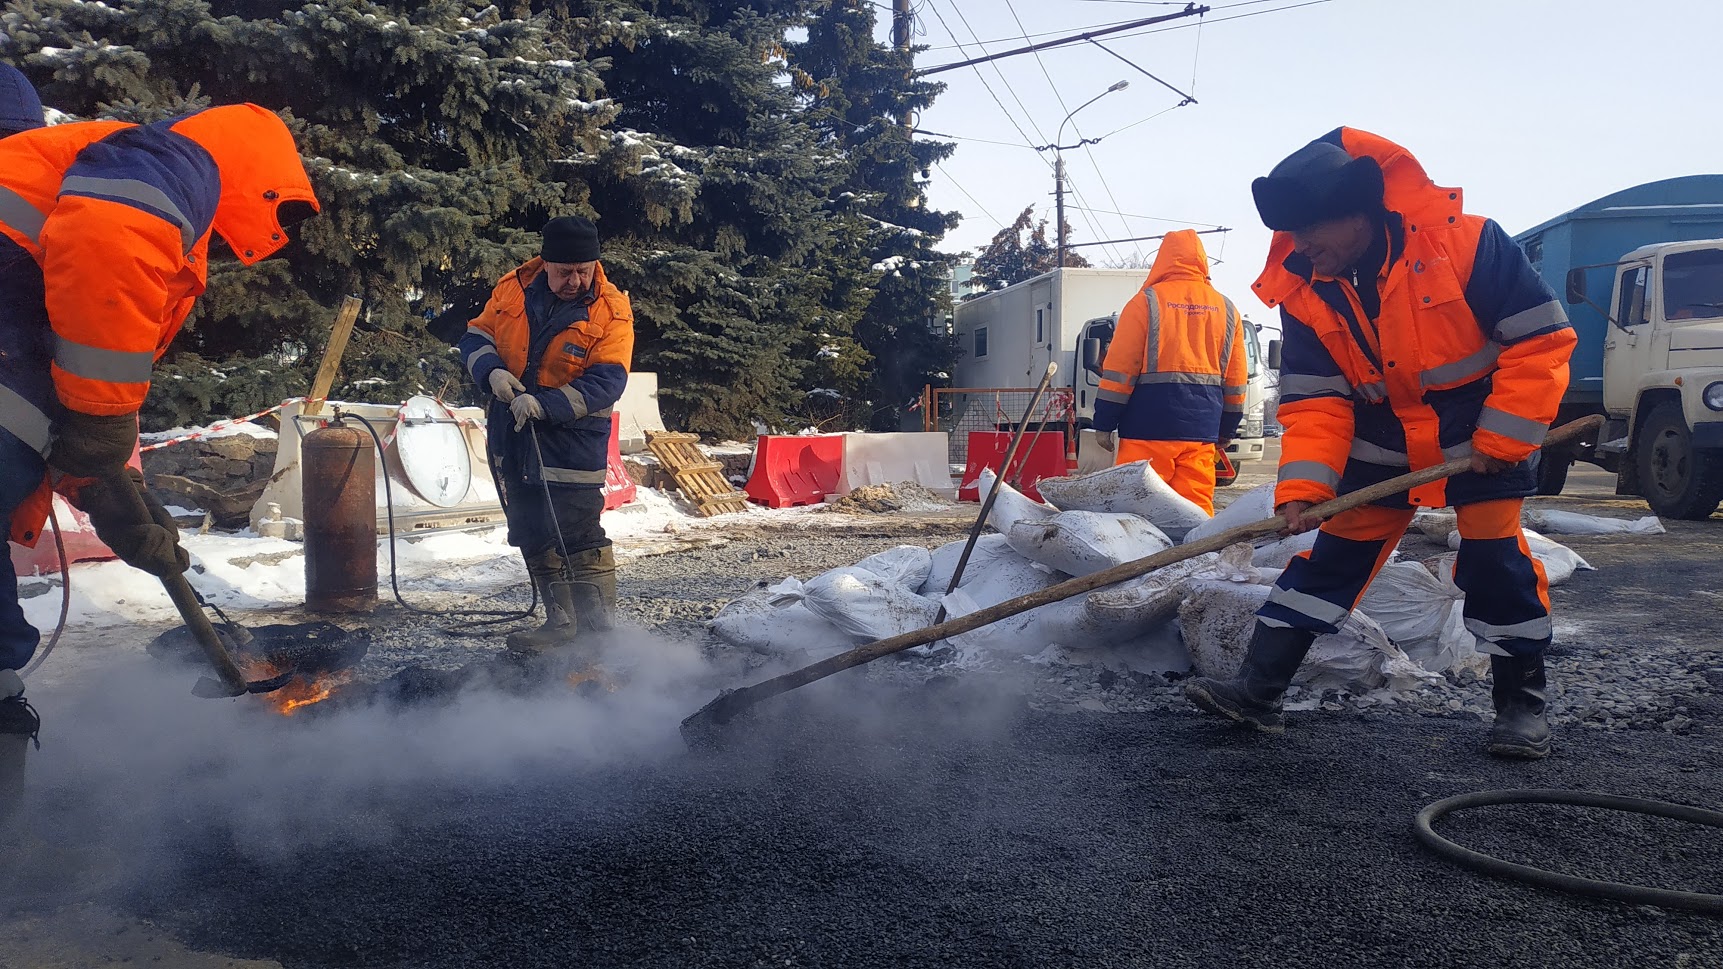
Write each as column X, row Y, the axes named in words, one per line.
column 1216, row 8
column 1190, row 11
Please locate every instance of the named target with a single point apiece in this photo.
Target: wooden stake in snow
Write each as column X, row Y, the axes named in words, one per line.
column 699, row 725
column 332, row 353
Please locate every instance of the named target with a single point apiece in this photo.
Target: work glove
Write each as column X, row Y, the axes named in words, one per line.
column 151, row 546
column 1223, row 443
column 93, row 445
column 504, row 385
column 1108, row 440
column 526, row 408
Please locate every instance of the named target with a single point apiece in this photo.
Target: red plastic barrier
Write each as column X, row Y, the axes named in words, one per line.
column 618, row 486
column 795, row 470
column 1039, row 456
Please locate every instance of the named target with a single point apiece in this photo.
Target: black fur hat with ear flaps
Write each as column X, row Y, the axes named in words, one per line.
column 1317, row 183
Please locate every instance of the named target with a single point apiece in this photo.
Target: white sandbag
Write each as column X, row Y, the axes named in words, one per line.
column 1007, row 575
column 1560, row 562
column 1011, row 506
column 1422, row 611
column 1252, row 506
column 1084, row 542
column 1573, row 523
column 906, row 565
column 1152, row 600
column 867, row 606
column 1438, row 525
column 1277, row 555
column 1062, row 623
column 1218, row 617
column 988, row 548
column 1133, row 489
column 762, row 621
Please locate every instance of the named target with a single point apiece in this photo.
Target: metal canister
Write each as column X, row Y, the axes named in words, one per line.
column 338, row 469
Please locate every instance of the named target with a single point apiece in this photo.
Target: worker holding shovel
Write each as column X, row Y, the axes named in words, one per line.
column 1414, row 334
column 105, row 233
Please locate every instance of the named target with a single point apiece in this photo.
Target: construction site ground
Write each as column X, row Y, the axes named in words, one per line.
column 904, row 814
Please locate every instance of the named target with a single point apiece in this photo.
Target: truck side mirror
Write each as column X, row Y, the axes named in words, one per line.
column 1274, row 354
column 1575, row 287
column 1092, row 355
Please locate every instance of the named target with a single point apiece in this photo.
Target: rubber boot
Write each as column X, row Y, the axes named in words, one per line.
column 547, row 571
column 19, row 725
column 592, row 576
column 1521, row 729
column 1252, row 697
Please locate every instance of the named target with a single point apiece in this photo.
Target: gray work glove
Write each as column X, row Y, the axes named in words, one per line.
column 526, row 408
column 504, row 385
column 151, row 546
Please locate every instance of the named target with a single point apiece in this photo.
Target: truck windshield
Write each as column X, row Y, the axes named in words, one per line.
column 1693, row 285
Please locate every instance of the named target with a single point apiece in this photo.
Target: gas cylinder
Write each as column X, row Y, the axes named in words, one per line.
column 338, row 468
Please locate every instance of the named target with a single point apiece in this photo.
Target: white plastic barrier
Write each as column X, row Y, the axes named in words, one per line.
column 876, row 459
column 479, row 507
column 639, row 410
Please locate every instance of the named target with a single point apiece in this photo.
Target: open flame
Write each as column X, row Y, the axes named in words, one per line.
column 591, row 674
column 303, row 692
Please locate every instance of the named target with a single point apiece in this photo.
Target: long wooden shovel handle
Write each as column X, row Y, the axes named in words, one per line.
column 732, row 702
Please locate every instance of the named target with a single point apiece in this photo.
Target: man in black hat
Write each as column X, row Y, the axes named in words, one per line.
column 1414, row 334
column 552, row 348
column 20, row 107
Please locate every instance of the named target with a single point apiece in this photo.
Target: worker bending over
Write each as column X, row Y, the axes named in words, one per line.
column 1173, row 383
column 1414, row 334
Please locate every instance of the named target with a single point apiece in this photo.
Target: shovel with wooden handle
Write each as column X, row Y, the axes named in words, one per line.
column 701, row 726
column 229, row 680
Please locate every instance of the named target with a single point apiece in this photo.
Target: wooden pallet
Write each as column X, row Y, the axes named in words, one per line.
column 701, row 479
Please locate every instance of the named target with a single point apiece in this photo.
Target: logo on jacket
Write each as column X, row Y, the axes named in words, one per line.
column 575, row 350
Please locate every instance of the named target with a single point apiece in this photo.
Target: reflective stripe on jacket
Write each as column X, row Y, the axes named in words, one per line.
column 1177, row 366
column 579, row 376
column 1468, row 352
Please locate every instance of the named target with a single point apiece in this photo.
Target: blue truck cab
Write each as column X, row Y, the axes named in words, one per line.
column 1641, row 271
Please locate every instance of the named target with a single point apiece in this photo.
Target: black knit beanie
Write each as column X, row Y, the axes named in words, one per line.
column 1317, row 183
column 570, row 239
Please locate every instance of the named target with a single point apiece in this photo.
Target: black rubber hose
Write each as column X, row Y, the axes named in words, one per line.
column 1590, row 887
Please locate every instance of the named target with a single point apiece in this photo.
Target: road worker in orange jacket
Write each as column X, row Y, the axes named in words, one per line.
column 1173, row 383
column 105, row 231
column 552, row 348
column 1414, row 333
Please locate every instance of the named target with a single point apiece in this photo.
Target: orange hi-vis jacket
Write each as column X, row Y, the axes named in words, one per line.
column 104, row 244
column 1177, row 366
column 575, row 361
column 1467, row 352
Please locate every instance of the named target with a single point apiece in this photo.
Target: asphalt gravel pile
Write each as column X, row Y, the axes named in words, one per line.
column 938, row 826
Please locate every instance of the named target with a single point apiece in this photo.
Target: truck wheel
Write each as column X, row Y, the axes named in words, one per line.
column 1553, row 467
column 1677, row 481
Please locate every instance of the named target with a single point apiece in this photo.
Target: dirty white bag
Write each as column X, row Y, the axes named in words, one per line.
column 1252, row 506
column 1560, row 562
column 943, row 562
column 1278, row 554
column 1573, row 523
column 1422, row 611
column 772, row 620
column 1012, row 506
column 906, row 565
column 865, row 605
column 1218, row 617
column 1004, row 575
column 1152, row 600
column 1133, row 489
column 1084, row 542
column 1439, row 525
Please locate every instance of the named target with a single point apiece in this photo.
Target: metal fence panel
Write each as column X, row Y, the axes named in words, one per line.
column 959, row 410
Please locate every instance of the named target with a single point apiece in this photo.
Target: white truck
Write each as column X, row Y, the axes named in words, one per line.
column 1066, row 316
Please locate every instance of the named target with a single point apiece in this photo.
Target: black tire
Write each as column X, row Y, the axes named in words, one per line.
column 1677, row 481
column 1553, row 466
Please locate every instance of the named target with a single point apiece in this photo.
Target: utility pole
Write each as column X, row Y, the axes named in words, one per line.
column 902, row 26
column 1059, row 208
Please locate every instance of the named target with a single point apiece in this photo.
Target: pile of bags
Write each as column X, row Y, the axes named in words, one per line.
column 1406, row 631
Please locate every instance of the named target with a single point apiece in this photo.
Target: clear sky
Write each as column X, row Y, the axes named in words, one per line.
column 1531, row 106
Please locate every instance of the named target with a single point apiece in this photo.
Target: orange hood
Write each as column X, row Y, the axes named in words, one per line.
column 1181, row 257
column 260, row 169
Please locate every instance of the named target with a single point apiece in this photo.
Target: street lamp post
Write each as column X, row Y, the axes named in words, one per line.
column 1059, row 170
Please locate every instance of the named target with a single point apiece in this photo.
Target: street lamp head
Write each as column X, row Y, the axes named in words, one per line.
column 1119, row 86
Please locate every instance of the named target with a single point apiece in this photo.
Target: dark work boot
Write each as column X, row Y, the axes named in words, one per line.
column 592, row 577
column 19, row 725
column 546, row 570
column 1252, row 697
column 1521, row 729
